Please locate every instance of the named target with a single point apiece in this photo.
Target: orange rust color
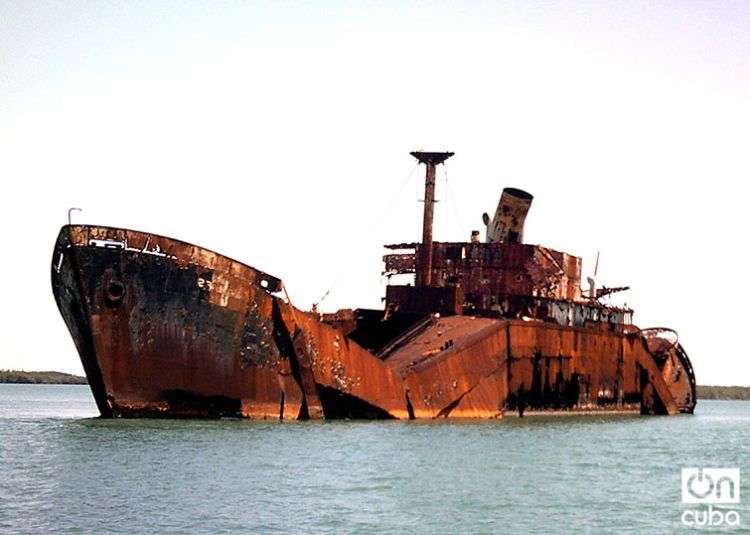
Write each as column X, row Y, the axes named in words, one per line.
column 168, row 329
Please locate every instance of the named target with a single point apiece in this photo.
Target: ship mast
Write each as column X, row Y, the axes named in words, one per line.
column 430, row 159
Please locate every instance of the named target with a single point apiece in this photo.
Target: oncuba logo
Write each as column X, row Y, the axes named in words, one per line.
column 710, row 486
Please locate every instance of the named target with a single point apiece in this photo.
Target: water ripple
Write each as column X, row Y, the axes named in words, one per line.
column 68, row 472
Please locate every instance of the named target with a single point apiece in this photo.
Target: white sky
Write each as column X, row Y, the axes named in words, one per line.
column 278, row 133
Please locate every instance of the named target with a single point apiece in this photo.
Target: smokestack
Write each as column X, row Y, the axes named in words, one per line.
column 507, row 225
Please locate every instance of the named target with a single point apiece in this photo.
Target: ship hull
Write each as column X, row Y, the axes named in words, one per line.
column 168, row 329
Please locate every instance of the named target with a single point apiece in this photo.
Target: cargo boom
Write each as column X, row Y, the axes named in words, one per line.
column 166, row 328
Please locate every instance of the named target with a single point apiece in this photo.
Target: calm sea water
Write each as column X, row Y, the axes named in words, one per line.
column 64, row 470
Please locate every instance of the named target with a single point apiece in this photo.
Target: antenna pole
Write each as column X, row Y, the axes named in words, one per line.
column 431, row 160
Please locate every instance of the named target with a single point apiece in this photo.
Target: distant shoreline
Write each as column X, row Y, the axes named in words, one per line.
column 724, row 392
column 60, row 378
column 41, row 378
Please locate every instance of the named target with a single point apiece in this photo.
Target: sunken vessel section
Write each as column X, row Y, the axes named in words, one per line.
column 479, row 329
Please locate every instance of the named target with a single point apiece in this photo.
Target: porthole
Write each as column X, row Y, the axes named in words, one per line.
column 115, row 292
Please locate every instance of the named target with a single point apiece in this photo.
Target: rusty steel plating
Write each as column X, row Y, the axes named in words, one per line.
column 167, row 328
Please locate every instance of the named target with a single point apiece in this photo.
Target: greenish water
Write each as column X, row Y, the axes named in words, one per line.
column 64, row 470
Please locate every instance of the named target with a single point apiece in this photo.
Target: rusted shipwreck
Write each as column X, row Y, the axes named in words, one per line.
column 166, row 328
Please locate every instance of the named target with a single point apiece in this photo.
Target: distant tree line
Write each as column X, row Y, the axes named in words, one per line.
column 45, row 378
column 723, row 392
